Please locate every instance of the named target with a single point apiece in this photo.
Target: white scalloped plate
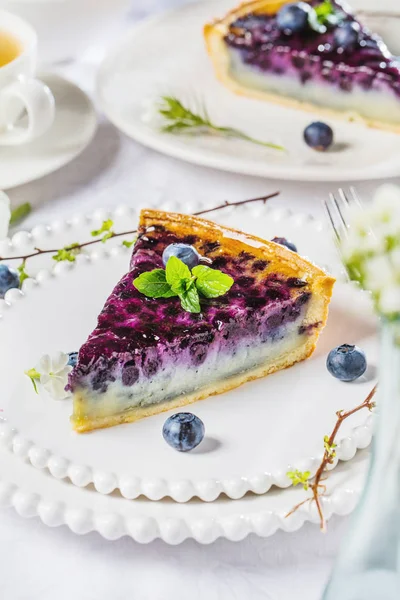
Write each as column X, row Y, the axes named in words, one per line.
column 34, row 493
column 255, row 434
column 166, row 55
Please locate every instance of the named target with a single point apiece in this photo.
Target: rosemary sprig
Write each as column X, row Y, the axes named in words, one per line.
column 180, row 119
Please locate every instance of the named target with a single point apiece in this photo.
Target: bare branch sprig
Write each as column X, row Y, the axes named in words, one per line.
column 69, row 252
column 314, row 483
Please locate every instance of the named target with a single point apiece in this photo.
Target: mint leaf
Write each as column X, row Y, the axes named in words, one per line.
column 154, row 284
column 211, row 282
column 106, row 227
column 177, row 274
column 20, row 213
column 324, row 9
column 34, row 376
column 190, row 300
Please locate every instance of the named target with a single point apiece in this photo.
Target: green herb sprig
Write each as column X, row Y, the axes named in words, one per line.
column 177, row 280
column 324, row 15
column 182, row 120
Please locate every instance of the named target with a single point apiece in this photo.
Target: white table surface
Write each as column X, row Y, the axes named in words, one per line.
column 38, row 563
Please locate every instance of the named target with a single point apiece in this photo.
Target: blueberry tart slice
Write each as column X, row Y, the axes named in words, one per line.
column 310, row 55
column 151, row 354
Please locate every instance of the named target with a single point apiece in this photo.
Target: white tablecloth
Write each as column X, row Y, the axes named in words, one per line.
column 38, row 563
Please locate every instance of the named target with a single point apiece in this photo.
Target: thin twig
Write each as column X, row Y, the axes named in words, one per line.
column 39, row 251
column 317, row 489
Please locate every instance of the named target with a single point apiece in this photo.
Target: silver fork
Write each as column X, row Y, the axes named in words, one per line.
column 336, row 207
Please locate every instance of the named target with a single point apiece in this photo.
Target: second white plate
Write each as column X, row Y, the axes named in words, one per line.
column 255, row 434
column 166, row 55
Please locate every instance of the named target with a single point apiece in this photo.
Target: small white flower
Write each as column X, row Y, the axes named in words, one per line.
column 54, row 372
column 379, row 273
column 389, row 300
column 5, row 215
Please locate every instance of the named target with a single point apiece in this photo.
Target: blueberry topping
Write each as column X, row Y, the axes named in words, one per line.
column 183, row 431
column 347, row 36
column 187, row 254
column 318, row 136
column 284, row 242
column 346, row 362
column 293, row 18
column 8, row 279
column 72, row 359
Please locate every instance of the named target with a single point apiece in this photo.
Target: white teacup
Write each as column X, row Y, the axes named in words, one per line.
column 19, row 90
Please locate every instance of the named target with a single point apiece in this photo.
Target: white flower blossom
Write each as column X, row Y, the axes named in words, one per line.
column 54, row 372
column 379, row 273
column 389, row 300
column 371, row 250
column 5, row 215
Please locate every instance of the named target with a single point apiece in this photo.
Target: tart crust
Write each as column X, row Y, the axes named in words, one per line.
column 231, row 242
column 214, row 33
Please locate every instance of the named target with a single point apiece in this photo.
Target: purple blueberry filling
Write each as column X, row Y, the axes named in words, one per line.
column 138, row 337
column 309, row 55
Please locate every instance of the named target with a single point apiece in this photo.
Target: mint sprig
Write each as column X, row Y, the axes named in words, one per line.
column 324, row 15
column 178, row 280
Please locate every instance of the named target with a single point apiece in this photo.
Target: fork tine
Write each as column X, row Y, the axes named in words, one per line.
column 355, row 197
column 344, row 202
column 328, row 208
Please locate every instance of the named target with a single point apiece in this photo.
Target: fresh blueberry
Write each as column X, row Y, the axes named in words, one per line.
column 346, row 362
column 184, row 252
column 8, row 279
column 183, row 431
column 284, row 242
column 293, row 18
column 347, row 36
column 318, row 136
column 72, row 359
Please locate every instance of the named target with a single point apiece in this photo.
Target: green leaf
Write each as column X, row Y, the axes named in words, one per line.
column 22, row 273
column 324, row 9
column 34, row 376
column 299, row 477
column 107, row 236
column 190, row 300
column 177, row 274
column 68, row 253
column 154, row 284
column 20, row 213
column 211, row 282
column 329, row 448
column 128, row 244
column 106, row 227
column 180, row 119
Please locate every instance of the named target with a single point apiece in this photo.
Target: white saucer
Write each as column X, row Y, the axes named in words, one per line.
column 34, row 493
column 166, row 55
column 255, row 434
column 73, row 128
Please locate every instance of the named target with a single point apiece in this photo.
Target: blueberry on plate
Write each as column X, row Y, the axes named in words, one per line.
column 187, row 254
column 318, row 136
column 8, row 279
column 346, row 362
column 183, row 431
column 284, row 242
column 72, row 359
column 347, row 36
column 293, row 18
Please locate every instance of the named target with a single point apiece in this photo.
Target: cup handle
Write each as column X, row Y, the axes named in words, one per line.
column 38, row 101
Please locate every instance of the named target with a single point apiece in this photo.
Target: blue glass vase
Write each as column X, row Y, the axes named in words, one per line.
column 368, row 565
